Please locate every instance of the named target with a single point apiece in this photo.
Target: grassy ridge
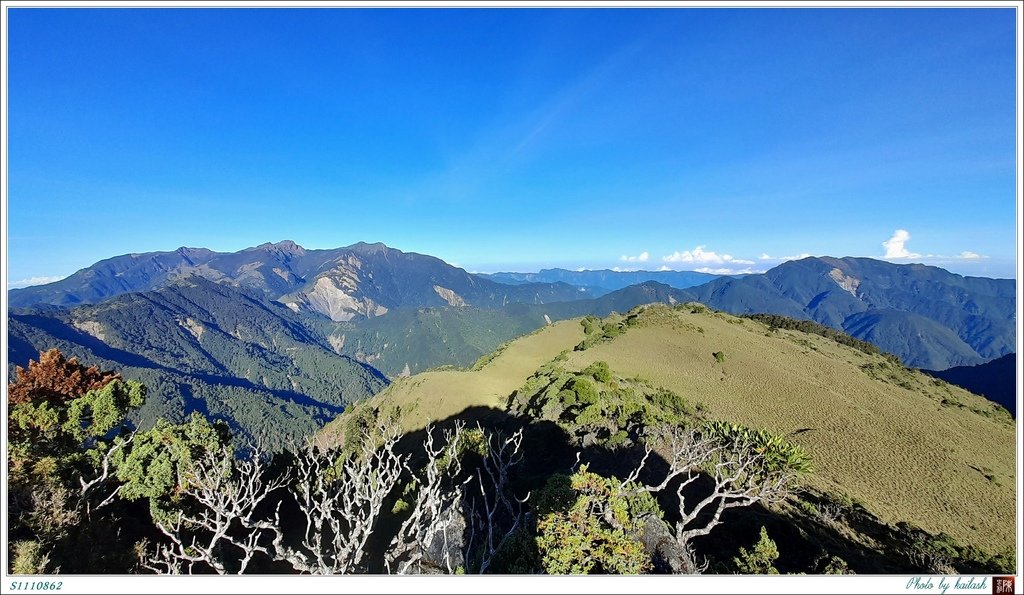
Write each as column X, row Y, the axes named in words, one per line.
column 436, row 395
column 904, row 445
column 907, row 447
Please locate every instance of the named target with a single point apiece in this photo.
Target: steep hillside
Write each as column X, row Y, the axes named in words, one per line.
column 203, row 346
column 362, row 280
column 908, row 447
column 905, row 446
column 929, row 317
column 195, row 328
column 921, row 341
column 370, row 279
column 995, row 380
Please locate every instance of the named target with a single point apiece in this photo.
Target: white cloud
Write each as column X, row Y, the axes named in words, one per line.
column 32, row 281
column 697, row 255
column 664, row 268
column 968, row 255
column 643, row 257
column 895, row 247
column 800, row 256
column 580, row 269
column 701, row 256
column 727, row 271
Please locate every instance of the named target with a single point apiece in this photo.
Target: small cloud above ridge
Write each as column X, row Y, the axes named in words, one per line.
column 701, row 256
column 727, row 271
column 896, row 246
column 642, row 257
column 31, row 281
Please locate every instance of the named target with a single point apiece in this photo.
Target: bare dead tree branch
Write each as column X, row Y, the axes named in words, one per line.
column 741, row 478
column 341, row 500
column 739, row 471
column 497, row 513
column 226, row 493
column 436, row 506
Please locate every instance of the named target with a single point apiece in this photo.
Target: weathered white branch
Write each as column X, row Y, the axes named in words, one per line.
column 342, row 500
column 435, row 507
column 739, row 472
column 498, row 508
column 227, row 493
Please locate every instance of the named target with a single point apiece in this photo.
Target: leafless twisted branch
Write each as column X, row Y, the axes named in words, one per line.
column 496, row 507
column 437, row 502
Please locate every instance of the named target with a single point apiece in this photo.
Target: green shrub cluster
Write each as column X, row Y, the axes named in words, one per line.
column 775, row 322
column 933, row 552
column 693, row 308
column 599, row 370
column 595, row 330
column 759, row 560
column 157, row 462
column 779, row 454
column 594, row 403
column 592, row 525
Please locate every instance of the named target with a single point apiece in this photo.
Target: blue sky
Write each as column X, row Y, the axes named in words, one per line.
column 515, row 139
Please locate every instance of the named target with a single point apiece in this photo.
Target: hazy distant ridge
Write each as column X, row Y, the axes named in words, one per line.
column 603, row 281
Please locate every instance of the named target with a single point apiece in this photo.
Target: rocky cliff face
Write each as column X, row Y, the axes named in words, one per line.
column 330, row 298
column 453, row 299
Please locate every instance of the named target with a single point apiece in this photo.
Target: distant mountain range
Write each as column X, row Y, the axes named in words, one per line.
column 928, row 316
column 270, row 372
column 600, row 282
column 361, row 280
column 367, row 306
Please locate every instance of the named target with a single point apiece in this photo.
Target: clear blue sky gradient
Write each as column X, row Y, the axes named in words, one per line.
column 514, row 139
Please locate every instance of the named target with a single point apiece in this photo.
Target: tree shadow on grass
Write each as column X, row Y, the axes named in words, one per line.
column 805, row 541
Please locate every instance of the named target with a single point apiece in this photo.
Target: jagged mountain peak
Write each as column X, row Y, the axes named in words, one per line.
column 285, row 246
column 374, row 248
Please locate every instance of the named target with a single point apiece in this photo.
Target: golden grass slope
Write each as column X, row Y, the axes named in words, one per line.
column 878, row 433
column 897, row 449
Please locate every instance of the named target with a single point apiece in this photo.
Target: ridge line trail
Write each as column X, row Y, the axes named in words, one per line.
column 442, row 394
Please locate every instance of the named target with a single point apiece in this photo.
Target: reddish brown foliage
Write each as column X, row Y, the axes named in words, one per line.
column 54, row 378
